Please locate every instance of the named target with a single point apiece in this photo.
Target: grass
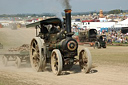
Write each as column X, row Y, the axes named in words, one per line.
column 117, row 44
column 2, row 84
column 112, row 55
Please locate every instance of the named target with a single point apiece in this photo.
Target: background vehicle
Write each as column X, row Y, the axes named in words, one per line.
column 101, row 42
column 87, row 35
column 19, row 55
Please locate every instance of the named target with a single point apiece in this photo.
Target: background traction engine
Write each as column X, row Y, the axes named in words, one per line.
column 57, row 48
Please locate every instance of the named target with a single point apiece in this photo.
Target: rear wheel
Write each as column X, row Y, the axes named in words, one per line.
column 85, row 60
column 104, row 46
column 37, row 58
column 56, row 62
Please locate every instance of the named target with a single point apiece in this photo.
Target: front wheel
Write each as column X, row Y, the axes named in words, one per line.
column 56, row 62
column 17, row 62
column 97, row 45
column 5, row 60
column 85, row 60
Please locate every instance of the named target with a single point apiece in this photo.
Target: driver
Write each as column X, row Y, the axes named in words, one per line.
column 54, row 29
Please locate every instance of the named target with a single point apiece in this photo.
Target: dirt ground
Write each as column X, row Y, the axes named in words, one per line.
column 110, row 65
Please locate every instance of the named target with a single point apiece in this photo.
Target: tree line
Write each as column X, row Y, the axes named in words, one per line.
column 116, row 11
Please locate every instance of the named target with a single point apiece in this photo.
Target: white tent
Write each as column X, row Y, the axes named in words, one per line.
column 122, row 23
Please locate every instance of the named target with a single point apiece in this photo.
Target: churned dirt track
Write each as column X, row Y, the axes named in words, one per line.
column 111, row 65
column 101, row 75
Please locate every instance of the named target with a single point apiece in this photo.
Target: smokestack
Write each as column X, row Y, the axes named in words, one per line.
column 68, row 20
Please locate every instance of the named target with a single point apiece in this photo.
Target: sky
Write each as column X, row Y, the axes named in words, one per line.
column 54, row 6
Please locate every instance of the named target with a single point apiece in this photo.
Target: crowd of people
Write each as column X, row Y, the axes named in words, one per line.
column 116, row 36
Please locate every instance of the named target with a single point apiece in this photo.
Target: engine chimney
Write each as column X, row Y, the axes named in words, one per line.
column 68, row 20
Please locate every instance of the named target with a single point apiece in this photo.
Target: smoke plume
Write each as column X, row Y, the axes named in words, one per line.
column 65, row 4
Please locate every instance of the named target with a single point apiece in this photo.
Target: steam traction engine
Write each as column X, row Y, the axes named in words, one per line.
column 55, row 45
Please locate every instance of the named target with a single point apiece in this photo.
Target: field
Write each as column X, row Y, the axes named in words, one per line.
column 110, row 65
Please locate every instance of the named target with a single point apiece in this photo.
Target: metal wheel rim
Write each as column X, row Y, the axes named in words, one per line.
column 85, row 60
column 56, row 62
column 35, row 56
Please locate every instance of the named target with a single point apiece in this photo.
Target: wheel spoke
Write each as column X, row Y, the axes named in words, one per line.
column 37, row 48
column 35, row 62
column 38, row 55
column 56, row 68
column 36, row 59
column 34, row 43
column 33, row 48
